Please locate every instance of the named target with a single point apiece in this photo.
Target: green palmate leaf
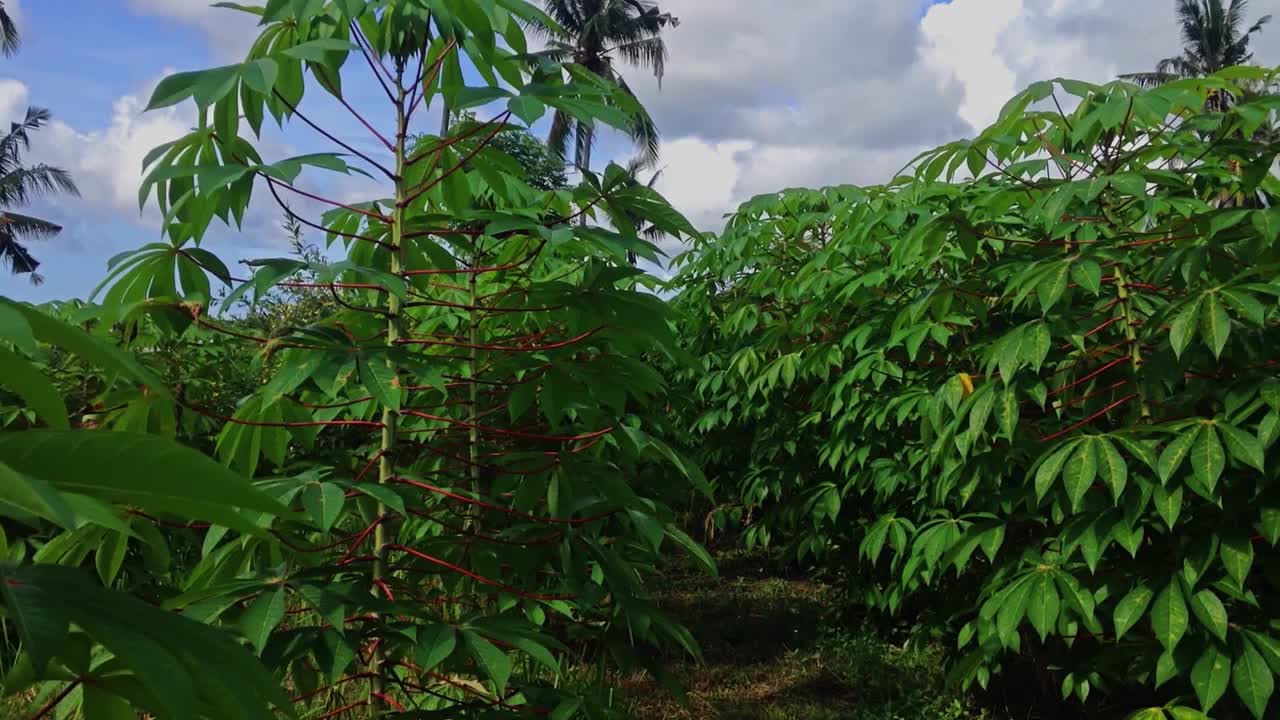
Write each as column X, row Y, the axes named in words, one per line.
column 1079, row 599
column 1142, row 450
column 1207, row 460
column 144, row 471
column 1268, row 647
column 1215, row 326
column 15, row 328
column 1175, row 453
column 1054, row 284
column 435, row 644
column 19, row 376
column 26, row 497
column 1131, row 608
column 1043, row 604
column 1012, row 610
column 1169, row 616
column 319, row 50
column 179, row 664
column 384, row 495
column 1182, row 329
column 110, row 556
column 1209, row 610
column 1007, row 414
column 1088, row 274
column 1037, row 345
column 380, row 380
column 262, row 617
column 1049, row 469
column 1079, row 474
column 92, row 349
column 1009, row 354
column 1169, row 666
column 1243, row 446
column 1252, row 680
column 1112, row 468
column 99, row 704
column 1210, row 676
column 173, row 89
column 1269, row 524
column 1246, row 305
column 694, row 549
column 323, row 503
column 1168, row 504
column 41, row 624
column 1236, row 552
column 494, row 662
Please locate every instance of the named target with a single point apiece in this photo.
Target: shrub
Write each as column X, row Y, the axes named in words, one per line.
column 1028, row 391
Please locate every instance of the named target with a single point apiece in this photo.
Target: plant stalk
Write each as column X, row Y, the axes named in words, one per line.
column 390, row 418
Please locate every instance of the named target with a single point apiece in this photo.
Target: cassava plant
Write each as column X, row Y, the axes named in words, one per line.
column 476, row 517
column 1027, row 393
column 69, row 493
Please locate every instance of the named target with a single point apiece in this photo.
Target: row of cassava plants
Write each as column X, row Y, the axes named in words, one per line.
column 1027, row 393
column 487, row 508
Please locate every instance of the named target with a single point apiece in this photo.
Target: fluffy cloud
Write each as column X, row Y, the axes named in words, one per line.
column 13, row 101
column 108, row 161
column 846, row 91
column 230, row 32
column 758, row 95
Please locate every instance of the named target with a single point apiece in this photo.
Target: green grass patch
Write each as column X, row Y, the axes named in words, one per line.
column 774, row 651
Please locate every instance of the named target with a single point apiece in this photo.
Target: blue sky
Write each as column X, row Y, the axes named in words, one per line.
column 829, row 91
column 81, row 57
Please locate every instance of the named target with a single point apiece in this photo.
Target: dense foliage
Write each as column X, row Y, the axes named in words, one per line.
column 442, row 488
column 1027, row 393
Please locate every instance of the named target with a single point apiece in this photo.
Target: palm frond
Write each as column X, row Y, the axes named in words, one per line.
column 26, row 227
column 643, row 130
column 18, row 138
column 599, row 30
column 1212, row 40
column 20, row 186
column 566, row 13
column 1235, row 16
column 562, row 126
column 1147, row 79
column 650, row 53
column 17, row 257
column 10, row 39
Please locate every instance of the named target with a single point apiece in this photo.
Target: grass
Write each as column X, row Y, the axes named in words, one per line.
column 770, row 655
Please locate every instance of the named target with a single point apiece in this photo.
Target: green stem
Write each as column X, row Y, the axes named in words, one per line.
column 1131, row 334
column 390, row 418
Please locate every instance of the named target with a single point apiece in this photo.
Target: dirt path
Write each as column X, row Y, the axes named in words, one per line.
column 771, row 655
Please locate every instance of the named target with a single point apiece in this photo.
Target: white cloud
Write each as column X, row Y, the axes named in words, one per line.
column 847, row 91
column 230, row 32
column 701, row 177
column 962, row 37
column 107, row 162
column 758, row 95
column 13, row 101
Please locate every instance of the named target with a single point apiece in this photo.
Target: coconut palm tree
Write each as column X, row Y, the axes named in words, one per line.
column 597, row 34
column 10, row 41
column 19, row 185
column 1213, row 38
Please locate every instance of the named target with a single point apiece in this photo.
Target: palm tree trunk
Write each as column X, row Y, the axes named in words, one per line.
column 445, row 120
column 583, row 158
